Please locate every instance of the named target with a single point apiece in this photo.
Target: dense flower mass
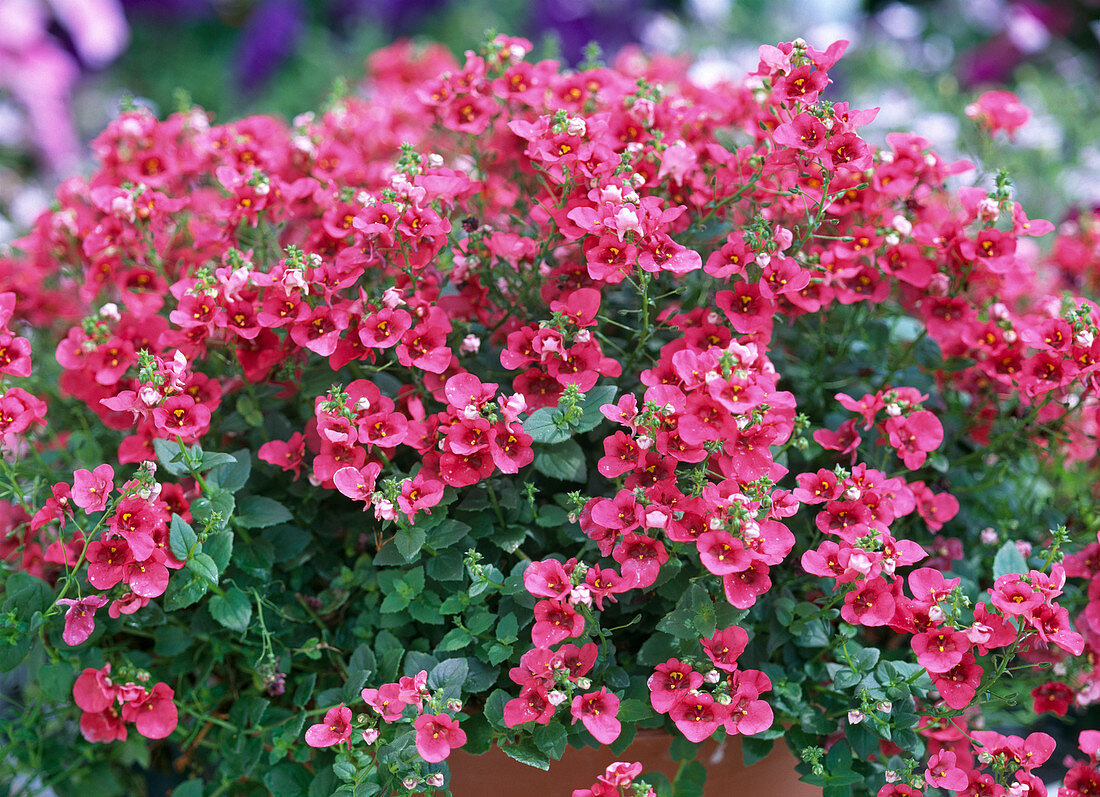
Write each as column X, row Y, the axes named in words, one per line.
column 423, row 302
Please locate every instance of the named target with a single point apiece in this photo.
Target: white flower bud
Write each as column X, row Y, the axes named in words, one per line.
column 712, row 677
column 936, row 614
column 471, row 344
column 855, row 717
column 370, row 735
column 576, row 126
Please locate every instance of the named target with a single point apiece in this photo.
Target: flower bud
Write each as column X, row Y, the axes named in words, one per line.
column 584, row 683
column 712, row 677
column 410, row 783
column 989, row 536
column 885, row 706
column 454, row 704
column 556, row 697
column 471, row 344
column 370, row 735
column 576, row 126
column 935, row 614
column 435, row 780
column 580, row 594
column 855, row 717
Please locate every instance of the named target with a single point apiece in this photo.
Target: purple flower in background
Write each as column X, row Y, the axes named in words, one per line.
column 396, row 17
column 267, row 41
column 610, row 23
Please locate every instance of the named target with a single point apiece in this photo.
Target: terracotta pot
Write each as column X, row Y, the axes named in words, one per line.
column 496, row 774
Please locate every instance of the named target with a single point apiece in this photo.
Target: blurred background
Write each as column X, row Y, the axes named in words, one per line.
column 66, row 66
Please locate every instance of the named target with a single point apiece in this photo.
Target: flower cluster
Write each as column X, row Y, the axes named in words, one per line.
column 108, row 707
column 626, row 341
column 619, row 779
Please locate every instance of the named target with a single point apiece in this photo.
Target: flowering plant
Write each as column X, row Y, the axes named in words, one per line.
column 502, row 405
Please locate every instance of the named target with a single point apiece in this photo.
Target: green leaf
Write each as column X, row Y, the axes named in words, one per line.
column 259, row 512
column 233, row 609
column 56, row 681
column 447, row 533
column 287, row 541
column 233, row 472
column 494, row 708
column 1009, row 560
column 304, row 691
column 288, row 779
column 547, row 425
column 690, row 780
column 753, row 750
column 219, row 547
column 191, row 788
column 563, row 461
column 526, row 753
column 26, row 594
column 212, row 459
column 508, row 628
column 550, row 739
column 590, row 407
column 455, row 639
column 203, row 566
column 181, row 537
column 184, row 590
column 631, row 710
column 449, row 675
column 409, row 542
column 171, row 640
column 170, row 456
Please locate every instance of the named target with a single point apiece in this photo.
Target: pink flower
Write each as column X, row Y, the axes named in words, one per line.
column 670, row 683
column 597, row 711
column 334, row 730
column 698, row 716
column 80, row 618
column 999, row 110
column 91, row 489
column 155, row 715
column 942, row 772
column 436, row 736
column 725, row 645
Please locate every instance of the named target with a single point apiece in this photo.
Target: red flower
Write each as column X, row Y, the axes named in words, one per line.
column 597, row 710
column 942, row 772
column 80, row 618
column 436, row 736
column 91, row 489
column 154, row 715
column 698, row 716
column 670, row 683
column 335, row 729
column 725, row 646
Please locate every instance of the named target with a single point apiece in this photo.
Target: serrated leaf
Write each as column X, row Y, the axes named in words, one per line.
column 409, row 541
column 550, row 739
column 233, row 472
column 449, row 675
column 563, row 461
column 753, row 750
column 184, row 590
column 56, row 680
column 212, row 459
column 455, row 639
column 233, row 609
column 181, row 537
column 526, row 753
column 219, row 547
column 170, row 456
column 595, row 398
column 1009, row 560
column 546, row 425
column 203, row 566
column 259, row 512
column 447, row 533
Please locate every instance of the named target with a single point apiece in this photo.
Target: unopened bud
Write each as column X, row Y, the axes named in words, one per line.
column 435, row 780
column 370, row 735
column 556, row 697
column 855, row 717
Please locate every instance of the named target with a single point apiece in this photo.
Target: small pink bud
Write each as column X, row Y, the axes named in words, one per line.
column 370, row 735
